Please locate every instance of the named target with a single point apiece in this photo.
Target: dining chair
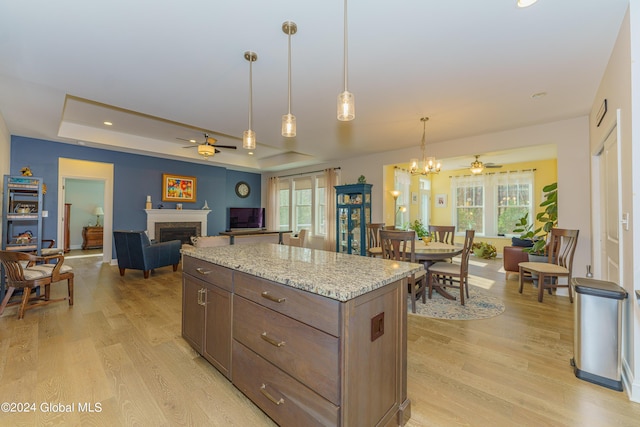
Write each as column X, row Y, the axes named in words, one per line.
column 373, row 238
column 560, row 250
column 401, row 246
column 445, row 274
column 298, row 240
column 27, row 271
column 443, row 233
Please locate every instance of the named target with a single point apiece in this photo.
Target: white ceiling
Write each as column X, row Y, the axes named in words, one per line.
column 162, row 70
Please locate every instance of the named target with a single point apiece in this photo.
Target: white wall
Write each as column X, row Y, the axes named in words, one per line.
column 570, row 136
column 620, row 86
column 5, row 156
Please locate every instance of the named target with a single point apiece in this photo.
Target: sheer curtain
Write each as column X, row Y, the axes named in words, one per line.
column 273, row 214
column 331, row 180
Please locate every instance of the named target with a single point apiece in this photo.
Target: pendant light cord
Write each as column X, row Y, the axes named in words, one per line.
column 250, row 92
column 289, row 89
column 346, row 46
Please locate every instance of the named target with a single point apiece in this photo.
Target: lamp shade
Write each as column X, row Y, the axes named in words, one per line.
column 98, row 211
column 206, row 150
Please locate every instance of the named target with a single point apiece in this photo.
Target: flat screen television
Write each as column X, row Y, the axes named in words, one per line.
column 243, row 218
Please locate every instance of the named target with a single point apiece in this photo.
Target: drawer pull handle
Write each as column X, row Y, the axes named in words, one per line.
column 263, row 390
column 270, row 297
column 203, row 271
column 271, row 341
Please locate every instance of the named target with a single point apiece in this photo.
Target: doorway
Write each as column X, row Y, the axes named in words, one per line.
column 82, row 170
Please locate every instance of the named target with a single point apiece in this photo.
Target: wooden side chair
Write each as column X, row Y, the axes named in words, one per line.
column 443, row 233
column 27, row 272
column 373, row 238
column 445, row 274
column 401, row 246
column 560, row 252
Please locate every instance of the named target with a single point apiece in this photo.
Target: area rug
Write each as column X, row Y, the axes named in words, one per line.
column 479, row 305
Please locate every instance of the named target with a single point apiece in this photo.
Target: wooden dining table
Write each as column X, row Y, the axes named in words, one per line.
column 429, row 253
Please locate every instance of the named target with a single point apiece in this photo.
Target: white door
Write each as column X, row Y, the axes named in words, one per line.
column 610, row 209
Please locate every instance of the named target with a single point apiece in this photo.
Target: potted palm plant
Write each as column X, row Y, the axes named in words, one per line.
column 548, row 217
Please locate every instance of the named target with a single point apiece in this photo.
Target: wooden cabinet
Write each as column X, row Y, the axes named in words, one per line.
column 354, row 212
column 67, row 228
column 303, row 358
column 92, row 237
column 206, row 311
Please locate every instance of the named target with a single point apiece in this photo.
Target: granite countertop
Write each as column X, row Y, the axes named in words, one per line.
column 337, row 276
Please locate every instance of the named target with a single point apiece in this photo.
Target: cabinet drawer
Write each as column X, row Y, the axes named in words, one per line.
column 211, row 273
column 307, row 354
column 285, row 400
column 315, row 310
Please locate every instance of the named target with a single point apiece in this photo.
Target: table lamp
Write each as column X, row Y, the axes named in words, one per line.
column 97, row 212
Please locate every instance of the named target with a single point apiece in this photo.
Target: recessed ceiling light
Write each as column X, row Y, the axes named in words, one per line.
column 108, row 123
column 526, row 3
column 251, row 153
column 539, row 95
column 193, row 141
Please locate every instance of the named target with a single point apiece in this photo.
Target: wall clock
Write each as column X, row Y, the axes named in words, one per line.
column 243, row 189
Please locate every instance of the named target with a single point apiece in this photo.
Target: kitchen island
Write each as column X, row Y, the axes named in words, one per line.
column 311, row 337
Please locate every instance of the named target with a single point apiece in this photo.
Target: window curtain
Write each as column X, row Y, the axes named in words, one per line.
column 330, row 181
column 273, row 213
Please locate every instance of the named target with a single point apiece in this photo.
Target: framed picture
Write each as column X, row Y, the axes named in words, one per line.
column 414, row 198
column 178, row 188
column 441, row 200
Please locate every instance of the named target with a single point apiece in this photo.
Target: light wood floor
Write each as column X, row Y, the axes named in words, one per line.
column 119, row 350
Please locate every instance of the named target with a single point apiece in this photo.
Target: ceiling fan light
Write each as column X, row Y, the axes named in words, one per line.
column 525, row 3
column 289, row 125
column 206, row 150
column 346, row 106
column 249, row 139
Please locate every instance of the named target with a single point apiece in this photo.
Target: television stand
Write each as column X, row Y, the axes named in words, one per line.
column 250, row 232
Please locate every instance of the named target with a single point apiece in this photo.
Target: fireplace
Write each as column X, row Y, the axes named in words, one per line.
column 165, row 231
column 158, row 219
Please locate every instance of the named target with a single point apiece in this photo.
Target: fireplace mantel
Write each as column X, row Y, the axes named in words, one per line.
column 176, row 215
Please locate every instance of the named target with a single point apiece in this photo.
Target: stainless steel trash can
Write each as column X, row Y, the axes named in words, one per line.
column 596, row 339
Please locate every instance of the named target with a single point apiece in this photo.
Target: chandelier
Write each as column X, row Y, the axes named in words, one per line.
column 476, row 166
column 428, row 165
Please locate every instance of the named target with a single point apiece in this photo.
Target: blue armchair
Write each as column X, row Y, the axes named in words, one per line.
column 134, row 251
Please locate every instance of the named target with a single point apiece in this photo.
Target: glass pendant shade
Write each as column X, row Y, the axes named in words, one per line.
column 289, row 125
column 346, row 106
column 206, row 150
column 249, row 139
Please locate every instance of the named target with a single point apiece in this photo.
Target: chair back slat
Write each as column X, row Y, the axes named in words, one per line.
column 373, row 234
column 466, row 252
column 398, row 245
column 563, row 246
column 443, row 233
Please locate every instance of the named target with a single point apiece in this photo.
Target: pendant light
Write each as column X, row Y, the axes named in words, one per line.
column 249, row 136
column 428, row 165
column 289, row 120
column 346, row 100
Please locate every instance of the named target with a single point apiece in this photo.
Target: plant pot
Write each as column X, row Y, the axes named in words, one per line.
column 537, row 258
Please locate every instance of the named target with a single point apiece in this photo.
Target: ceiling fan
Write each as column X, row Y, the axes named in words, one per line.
column 477, row 166
column 208, row 148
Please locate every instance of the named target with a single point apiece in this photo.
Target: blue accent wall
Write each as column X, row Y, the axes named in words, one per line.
column 135, row 177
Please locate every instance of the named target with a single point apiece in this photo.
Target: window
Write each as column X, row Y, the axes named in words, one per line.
column 469, row 204
column 402, row 183
column 514, row 200
column 302, row 204
column 491, row 204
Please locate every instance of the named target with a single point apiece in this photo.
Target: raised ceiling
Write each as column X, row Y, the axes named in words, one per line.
column 167, row 70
